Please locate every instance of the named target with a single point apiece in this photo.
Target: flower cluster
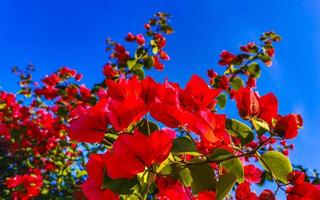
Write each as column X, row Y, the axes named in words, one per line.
column 132, row 137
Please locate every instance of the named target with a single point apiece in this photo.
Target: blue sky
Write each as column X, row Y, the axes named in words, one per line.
column 50, row 34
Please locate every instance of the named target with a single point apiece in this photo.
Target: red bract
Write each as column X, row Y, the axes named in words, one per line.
column 268, row 107
column 166, row 108
column 267, row 195
column 247, row 102
column 249, row 47
column 251, row 83
column 93, row 186
column 26, row 186
column 226, row 58
column 288, row 125
column 243, row 192
column 206, row 195
column 140, row 39
column 197, row 95
column 169, row 188
column 210, row 127
column 303, row 191
column 157, row 64
column 89, row 125
column 108, row 71
column 130, row 37
column 296, row 177
column 131, row 153
column 122, row 113
column 252, row 174
column 160, row 40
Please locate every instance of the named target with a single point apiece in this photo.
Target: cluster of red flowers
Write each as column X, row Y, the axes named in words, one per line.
column 26, row 186
column 197, row 154
column 250, row 105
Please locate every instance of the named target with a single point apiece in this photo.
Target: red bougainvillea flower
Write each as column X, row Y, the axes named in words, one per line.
column 92, row 187
column 247, row 102
column 226, row 58
column 160, row 40
column 119, row 90
column 249, row 47
column 296, row 177
column 163, row 55
column 169, row 188
column 122, row 113
column 140, row 39
column 268, row 108
column 243, row 192
column 132, row 153
column 29, row 184
column 125, row 106
column 89, row 125
column 303, row 191
column 210, row 127
column 267, row 195
column 166, row 108
column 130, row 37
column 197, row 95
column 205, row 195
column 149, row 90
column 108, row 71
column 157, row 64
column 252, row 174
column 288, row 125
column 251, row 82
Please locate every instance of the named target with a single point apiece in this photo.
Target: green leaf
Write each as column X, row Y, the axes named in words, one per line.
column 131, row 63
column 277, row 163
column 166, row 29
column 234, row 165
column 149, row 62
column 184, row 145
column 203, row 178
column 140, row 52
column 165, row 166
column 239, row 130
column 139, row 72
column 260, row 125
column 237, row 83
column 15, row 134
column 225, row 184
column 120, row 186
column 219, row 154
column 254, row 70
column 185, row 176
column 147, row 127
column 222, row 100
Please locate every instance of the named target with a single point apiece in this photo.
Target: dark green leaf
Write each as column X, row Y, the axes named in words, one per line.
column 184, row 145
column 219, row 155
column 139, row 72
column 120, row 186
column 147, row 127
column 203, row 178
column 149, row 62
column 225, row 184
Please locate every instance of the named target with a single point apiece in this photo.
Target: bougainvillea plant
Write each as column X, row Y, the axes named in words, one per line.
column 131, row 137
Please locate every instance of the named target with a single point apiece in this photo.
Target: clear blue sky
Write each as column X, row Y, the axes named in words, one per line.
column 54, row 33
